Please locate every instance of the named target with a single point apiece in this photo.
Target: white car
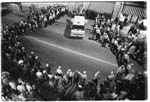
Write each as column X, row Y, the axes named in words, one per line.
column 78, row 26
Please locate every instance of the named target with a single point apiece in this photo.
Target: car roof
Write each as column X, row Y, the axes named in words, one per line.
column 79, row 20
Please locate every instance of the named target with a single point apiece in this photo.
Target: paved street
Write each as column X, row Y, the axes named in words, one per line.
column 52, row 46
column 76, row 54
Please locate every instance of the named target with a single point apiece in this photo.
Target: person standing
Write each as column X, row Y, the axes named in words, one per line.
column 98, row 33
column 121, row 20
column 126, row 59
column 59, row 71
column 20, row 6
column 125, row 20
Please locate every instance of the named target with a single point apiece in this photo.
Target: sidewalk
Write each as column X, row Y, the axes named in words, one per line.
column 10, row 19
column 13, row 17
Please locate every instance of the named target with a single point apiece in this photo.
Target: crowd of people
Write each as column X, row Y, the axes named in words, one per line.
column 107, row 32
column 70, row 85
column 15, row 54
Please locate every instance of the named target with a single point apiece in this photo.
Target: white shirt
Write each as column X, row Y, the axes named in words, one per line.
column 84, row 76
column 116, row 42
column 59, row 71
column 57, row 12
column 21, row 88
column 111, row 76
column 68, row 71
column 126, row 56
column 113, row 27
column 129, row 67
column 105, row 36
column 119, row 47
column 45, row 19
column 120, row 70
column 53, row 15
column 108, row 29
column 132, row 49
column 29, row 88
column 121, row 18
column 129, row 77
column 50, row 76
column 39, row 75
column 5, row 81
column 71, row 74
column 140, row 21
column 51, row 83
column 21, row 97
column 98, row 31
column 44, row 71
column 50, row 17
column 12, row 85
column 96, row 74
column 63, row 9
column 29, row 24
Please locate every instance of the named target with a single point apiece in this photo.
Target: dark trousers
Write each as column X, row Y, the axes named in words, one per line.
column 97, row 37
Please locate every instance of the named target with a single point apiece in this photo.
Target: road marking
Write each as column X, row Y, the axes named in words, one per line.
column 50, row 44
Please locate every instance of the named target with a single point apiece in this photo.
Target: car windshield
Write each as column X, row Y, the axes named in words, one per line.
column 78, row 27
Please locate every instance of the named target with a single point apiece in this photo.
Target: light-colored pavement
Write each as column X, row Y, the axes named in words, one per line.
column 71, row 51
column 67, row 59
column 51, row 45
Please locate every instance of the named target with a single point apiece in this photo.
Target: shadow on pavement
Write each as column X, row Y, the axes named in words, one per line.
column 48, row 93
column 67, row 31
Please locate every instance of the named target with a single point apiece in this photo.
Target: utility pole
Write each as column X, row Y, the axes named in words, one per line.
column 89, row 5
column 121, row 8
column 87, row 9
